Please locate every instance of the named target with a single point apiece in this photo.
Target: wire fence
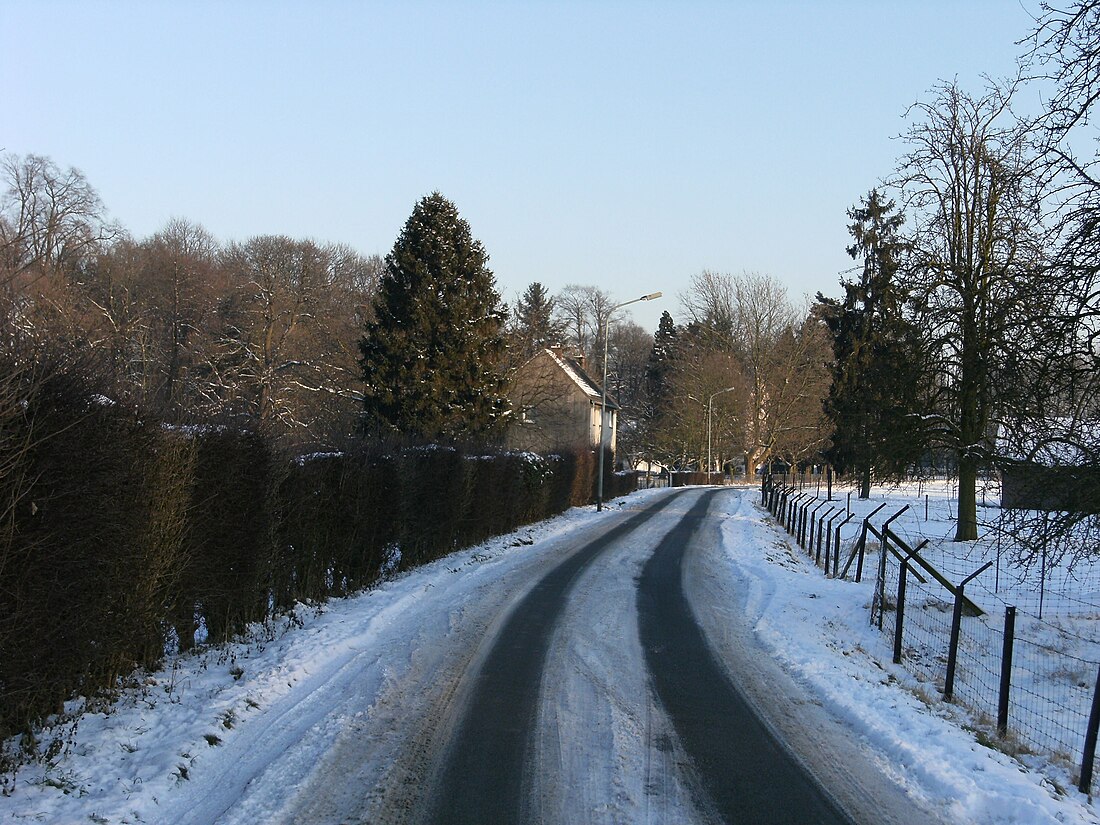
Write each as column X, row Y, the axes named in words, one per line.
column 1050, row 691
column 1024, row 662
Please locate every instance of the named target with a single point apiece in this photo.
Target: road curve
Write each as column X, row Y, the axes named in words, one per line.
column 484, row 778
column 747, row 775
column 738, row 769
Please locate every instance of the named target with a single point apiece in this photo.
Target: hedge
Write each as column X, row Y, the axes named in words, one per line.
column 124, row 540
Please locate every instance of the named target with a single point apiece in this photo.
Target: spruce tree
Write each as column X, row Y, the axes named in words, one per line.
column 658, row 390
column 430, row 357
column 875, row 395
column 534, row 326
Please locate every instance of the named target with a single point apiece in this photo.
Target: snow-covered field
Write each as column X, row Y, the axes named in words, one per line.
column 243, row 733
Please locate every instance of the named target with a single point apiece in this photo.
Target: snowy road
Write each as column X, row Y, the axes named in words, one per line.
column 580, row 688
column 594, row 668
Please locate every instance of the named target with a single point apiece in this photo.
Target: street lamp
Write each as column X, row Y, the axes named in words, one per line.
column 603, row 400
column 710, row 416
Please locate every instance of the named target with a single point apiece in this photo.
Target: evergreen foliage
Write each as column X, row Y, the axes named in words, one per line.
column 874, row 398
column 430, row 355
column 535, row 326
column 124, row 538
column 657, row 369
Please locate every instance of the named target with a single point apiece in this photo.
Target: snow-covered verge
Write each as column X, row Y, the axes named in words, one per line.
column 228, row 735
column 846, row 661
column 184, row 742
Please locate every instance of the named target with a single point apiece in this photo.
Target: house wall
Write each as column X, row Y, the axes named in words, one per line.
column 1035, row 487
column 550, row 410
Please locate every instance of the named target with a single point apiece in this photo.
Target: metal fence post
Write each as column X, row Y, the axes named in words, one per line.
column 1085, row 785
column 956, row 627
column 1006, row 671
column 862, row 546
column 953, row 646
column 899, row 615
column 836, row 545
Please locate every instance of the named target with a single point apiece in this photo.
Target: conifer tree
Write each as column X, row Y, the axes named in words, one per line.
column 874, row 393
column 430, row 357
column 658, row 390
column 534, row 326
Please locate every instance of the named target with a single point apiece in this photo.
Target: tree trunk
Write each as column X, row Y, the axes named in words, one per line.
column 966, row 528
column 865, row 483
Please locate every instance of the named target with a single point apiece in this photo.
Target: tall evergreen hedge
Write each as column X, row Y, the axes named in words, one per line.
column 122, row 539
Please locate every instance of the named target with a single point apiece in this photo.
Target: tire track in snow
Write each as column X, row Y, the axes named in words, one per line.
column 484, row 778
column 746, row 774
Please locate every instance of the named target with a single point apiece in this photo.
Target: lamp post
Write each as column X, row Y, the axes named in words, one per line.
column 710, row 417
column 603, row 399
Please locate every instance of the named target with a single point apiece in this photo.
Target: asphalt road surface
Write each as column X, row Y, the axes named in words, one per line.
column 737, row 768
column 604, row 675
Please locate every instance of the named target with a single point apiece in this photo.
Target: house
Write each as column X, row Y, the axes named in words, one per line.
column 1056, row 470
column 556, row 403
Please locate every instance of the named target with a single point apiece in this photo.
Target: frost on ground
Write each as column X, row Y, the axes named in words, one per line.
column 325, row 698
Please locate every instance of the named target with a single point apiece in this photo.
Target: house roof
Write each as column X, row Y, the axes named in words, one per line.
column 1061, row 442
column 577, row 374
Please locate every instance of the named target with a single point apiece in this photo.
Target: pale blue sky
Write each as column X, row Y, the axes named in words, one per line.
column 627, row 145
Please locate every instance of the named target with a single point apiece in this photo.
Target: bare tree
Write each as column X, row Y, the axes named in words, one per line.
column 780, row 375
column 581, row 312
column 971, row 182
column 49, row 219
column 285, row 352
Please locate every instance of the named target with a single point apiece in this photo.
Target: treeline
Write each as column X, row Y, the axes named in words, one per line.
column 740, row 382
column 124, row 537
column 263, row 331
column 969, row 324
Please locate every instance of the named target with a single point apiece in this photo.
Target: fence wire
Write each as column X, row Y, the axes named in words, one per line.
column 1050, row 689
column 1051, row 683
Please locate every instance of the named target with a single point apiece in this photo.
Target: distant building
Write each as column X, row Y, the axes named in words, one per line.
column 1053, row 471
column 556, row 403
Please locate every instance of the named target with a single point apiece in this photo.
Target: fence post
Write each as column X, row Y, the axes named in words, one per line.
column 863, row 543
column 884, row 546
column 817, row 546
column 1085, row 785
column 822, row 520
column 880, row 582
column 1006, row 671
column 862, row 552
column 899, row 615
column 956, row 627
column 836, row 546
column 792, row 507
column 953, row 646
